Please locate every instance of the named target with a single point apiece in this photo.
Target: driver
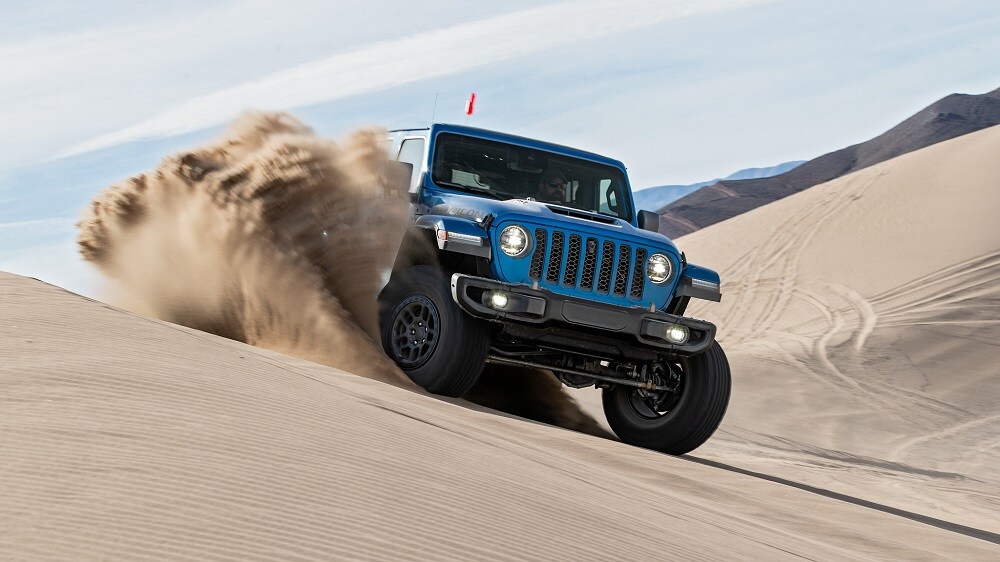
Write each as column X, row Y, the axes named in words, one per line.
column 552, row 187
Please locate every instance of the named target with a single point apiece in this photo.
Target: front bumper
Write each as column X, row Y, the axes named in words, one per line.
column 540, row 306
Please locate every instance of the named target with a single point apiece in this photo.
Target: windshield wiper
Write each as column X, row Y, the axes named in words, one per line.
column 474, row 189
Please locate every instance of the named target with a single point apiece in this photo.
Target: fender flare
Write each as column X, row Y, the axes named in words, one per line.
column 700, row 283
column 455, row 234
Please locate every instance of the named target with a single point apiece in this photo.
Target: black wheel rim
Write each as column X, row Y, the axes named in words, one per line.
column 648, row 408
column 416, row 330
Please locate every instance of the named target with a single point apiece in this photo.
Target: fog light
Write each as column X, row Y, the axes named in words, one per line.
column 498, row 300
column 676, row 333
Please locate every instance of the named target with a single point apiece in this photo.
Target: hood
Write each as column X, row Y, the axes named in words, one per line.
column 448, row 203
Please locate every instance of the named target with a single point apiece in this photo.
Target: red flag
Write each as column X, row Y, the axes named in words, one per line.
column 470, row 105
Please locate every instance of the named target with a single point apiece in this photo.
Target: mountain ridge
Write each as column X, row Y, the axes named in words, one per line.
column 656, row 197
column 951, row 116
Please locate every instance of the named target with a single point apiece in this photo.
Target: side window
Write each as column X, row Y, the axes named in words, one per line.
column 608, row 198
column 412, row 152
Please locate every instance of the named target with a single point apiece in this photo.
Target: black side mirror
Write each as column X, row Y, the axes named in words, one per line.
column 648, row 220
column 401, row 177
column 400, row 174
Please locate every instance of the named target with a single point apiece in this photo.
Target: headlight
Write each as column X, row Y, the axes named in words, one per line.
column 514, row 241
column 658, row 268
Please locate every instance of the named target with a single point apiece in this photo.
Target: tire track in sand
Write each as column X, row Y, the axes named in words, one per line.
column 874, row 393
column 762, row 298
column 781, row 253
column 908, row 445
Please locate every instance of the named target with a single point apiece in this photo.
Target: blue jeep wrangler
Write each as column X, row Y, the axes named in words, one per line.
column 531, row 254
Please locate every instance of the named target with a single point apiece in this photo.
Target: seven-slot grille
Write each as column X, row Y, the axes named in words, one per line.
column 588, row 264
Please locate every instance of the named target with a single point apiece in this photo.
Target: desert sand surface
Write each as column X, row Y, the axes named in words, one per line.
column 126, row 437
column 862, row 321
column 860, row 317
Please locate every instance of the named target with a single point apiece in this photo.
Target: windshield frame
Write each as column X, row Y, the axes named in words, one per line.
column 568, row 158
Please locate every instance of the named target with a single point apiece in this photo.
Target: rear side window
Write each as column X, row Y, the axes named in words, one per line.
column 412, row 152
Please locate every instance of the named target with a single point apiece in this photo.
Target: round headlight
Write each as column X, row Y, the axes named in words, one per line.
column 514, row 241
column 658, row 268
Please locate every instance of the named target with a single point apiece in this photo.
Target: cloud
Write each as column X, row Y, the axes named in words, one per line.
column 73, row 71
column 31, row 230
column 382, row 65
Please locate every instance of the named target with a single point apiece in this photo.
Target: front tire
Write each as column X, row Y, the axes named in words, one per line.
column 683, row 421
column 434, row 342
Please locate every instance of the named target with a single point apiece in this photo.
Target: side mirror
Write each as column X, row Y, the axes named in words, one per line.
column 400, row 175
column 648, row 220
column 401, row 178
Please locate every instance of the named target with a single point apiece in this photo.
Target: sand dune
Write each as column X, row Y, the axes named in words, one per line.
column 130, row 438
column 862, row 319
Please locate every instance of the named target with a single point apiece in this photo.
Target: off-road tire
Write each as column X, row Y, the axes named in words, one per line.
column 704, row 396
column 416, row 306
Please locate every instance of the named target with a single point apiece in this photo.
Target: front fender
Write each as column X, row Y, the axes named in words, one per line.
column 700, row 283
column 457, row 234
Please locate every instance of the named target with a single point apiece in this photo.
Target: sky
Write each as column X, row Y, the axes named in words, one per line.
column 680, row 90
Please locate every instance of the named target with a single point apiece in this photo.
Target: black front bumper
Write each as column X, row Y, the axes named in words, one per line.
column 540, row 306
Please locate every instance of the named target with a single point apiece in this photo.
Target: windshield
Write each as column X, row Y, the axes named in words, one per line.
column 506, row 171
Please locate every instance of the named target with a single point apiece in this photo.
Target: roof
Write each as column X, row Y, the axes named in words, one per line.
column 515, row 139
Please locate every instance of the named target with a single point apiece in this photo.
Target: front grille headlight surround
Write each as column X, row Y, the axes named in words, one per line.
column 515, row 241
column 659, row 268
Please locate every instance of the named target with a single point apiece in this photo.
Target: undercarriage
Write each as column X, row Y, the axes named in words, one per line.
column 580, row 361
